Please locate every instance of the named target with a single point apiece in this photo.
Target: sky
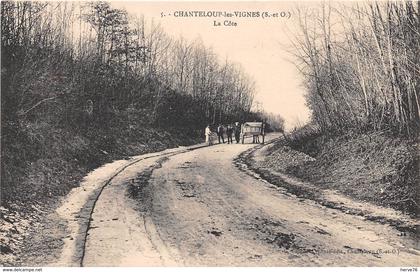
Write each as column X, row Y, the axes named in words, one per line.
column 257, row 44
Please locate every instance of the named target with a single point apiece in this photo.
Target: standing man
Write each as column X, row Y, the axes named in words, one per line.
column 220, row 132
column 229, row 132
column 207, row 132
column 255, row 139
column 237, row 132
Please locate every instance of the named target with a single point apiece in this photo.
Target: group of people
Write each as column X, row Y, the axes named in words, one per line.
column 230, row 130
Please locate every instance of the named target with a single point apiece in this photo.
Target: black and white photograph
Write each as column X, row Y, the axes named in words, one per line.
column 210, row 134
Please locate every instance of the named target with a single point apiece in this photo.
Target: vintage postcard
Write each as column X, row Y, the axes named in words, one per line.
column 209, row 134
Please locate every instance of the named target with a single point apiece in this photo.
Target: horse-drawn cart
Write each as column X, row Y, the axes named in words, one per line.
column 254, row 129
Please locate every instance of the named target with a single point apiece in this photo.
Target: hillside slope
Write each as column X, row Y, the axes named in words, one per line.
column 54, row 163
column 373, row 167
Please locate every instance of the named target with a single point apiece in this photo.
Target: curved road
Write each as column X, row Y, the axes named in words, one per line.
column 197, row 208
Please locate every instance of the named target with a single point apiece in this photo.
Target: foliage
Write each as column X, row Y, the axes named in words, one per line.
column 85, row 82
column 361, row 66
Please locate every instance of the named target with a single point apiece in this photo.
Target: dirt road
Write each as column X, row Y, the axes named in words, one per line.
column 197, row 208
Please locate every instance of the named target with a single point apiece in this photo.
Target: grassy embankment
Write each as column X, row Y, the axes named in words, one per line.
column 54, row 160
column 375, row 167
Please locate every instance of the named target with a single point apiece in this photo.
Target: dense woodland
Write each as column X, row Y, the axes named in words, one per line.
column 361, row 65
column 361, row 69
column 98, row 60
column 83, row 83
